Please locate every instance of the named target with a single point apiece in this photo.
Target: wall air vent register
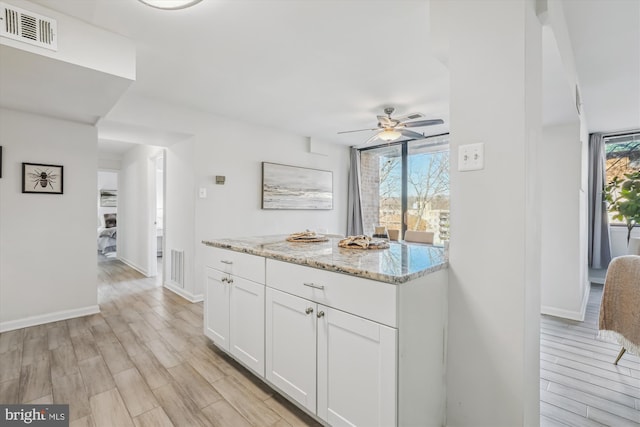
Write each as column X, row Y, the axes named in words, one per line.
column 22, row 25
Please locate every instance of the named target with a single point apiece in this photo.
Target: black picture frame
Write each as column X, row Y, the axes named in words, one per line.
column 286, row 187
column 39, row 178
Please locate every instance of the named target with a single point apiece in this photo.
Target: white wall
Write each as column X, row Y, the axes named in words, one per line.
column 106, row 181
column 564, row 159
column 47, row 242
column 234, row 209
column 82, row 44
column 136, row 209
column 179, row 215
column 493, row 340
column 221, row 146
column 564, row 271
column 109, row 161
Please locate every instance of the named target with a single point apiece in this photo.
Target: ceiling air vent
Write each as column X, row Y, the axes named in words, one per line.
column 414, row 116
column 28, row 27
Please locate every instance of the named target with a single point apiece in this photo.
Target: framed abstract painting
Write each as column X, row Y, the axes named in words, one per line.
column 292, row 187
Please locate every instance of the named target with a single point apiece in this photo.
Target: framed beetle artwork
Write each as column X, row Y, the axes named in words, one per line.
column 40, row 178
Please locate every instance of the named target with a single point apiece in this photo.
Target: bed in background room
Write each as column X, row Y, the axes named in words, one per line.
column 107, row 235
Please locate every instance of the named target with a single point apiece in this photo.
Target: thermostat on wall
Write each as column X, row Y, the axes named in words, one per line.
column 220, row 179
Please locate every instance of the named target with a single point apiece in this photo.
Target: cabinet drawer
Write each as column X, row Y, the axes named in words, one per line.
column 363, row 297
column 250, row 267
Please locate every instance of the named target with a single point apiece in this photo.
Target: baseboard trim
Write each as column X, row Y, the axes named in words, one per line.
column 569, row 314
column 184, row 294
column 585, row 301
column 48, row 318
column 134, row 266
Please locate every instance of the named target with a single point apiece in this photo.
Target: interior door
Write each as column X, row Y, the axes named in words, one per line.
column 216, row 310
column 291, row 346
column 246, row 311
column 357, row 376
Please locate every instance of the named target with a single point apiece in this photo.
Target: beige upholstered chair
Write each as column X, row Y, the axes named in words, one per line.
column 620, row 306
column 418, row 236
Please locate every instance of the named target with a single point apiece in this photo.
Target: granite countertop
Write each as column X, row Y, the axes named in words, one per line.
column 400, row 263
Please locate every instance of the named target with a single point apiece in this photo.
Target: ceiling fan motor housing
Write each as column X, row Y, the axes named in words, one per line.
column 390, row 129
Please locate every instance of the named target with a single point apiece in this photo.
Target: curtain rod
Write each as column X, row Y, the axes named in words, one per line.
column 618, row 134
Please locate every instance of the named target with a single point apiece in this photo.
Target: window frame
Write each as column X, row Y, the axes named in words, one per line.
column 405, row 168
column 610, row 139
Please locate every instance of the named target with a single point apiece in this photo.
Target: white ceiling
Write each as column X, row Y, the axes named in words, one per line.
column 309, row 67
column 314, row 68
column 605, row 36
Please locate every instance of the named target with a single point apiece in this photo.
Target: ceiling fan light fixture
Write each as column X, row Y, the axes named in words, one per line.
column 389, row 135
column 170, row 4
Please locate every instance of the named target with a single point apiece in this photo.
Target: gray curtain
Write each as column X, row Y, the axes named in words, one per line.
column 599, row 247
column 354, row 208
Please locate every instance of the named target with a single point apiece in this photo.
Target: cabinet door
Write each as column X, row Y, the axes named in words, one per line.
column 246, row 311
column 357, row 376
column 216, row 308
column 291, row 346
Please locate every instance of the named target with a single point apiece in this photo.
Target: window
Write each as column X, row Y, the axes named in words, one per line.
column 623, row 157
column 405, row 186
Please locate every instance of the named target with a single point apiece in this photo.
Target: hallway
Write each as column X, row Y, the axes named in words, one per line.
column 142, row 361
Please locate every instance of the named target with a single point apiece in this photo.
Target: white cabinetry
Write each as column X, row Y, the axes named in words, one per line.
column 352, row 358
column 216, row 307
column 356, row 370
column 351, row 351
column 246, row 325
column 291, row 346
column 234, row 306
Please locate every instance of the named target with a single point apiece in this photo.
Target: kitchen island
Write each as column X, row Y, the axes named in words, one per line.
column 352, row 336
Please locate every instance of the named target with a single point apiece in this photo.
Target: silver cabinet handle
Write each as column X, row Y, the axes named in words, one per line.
column 320, row 314
column 224, row 261
column 313, row 285
column 309, row 310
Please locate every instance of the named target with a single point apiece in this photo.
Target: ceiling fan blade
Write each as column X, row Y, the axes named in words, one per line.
column 411, row 134
column 421, row 123
column 411, row 116
column 359, row 130
column 373, row 138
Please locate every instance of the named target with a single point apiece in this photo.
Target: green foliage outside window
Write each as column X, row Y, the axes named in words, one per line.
column 623, row 196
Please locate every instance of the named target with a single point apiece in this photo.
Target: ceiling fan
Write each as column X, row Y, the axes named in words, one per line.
column 391, row 128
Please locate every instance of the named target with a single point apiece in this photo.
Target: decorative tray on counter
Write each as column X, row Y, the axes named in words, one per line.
column 362, row 243
column 307, row 237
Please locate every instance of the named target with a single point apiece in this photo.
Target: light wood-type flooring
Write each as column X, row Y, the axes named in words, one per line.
column 143, row 361
column 579, row 384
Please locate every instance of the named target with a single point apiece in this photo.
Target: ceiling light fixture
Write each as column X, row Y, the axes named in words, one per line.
column 389, row 135
column 170, row 4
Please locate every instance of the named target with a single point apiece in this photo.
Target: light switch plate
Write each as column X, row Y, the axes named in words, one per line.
column 471, row 157
column 203, row 193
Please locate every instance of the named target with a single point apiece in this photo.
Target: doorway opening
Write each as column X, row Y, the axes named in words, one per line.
column 107, row 221
column 159, row 217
